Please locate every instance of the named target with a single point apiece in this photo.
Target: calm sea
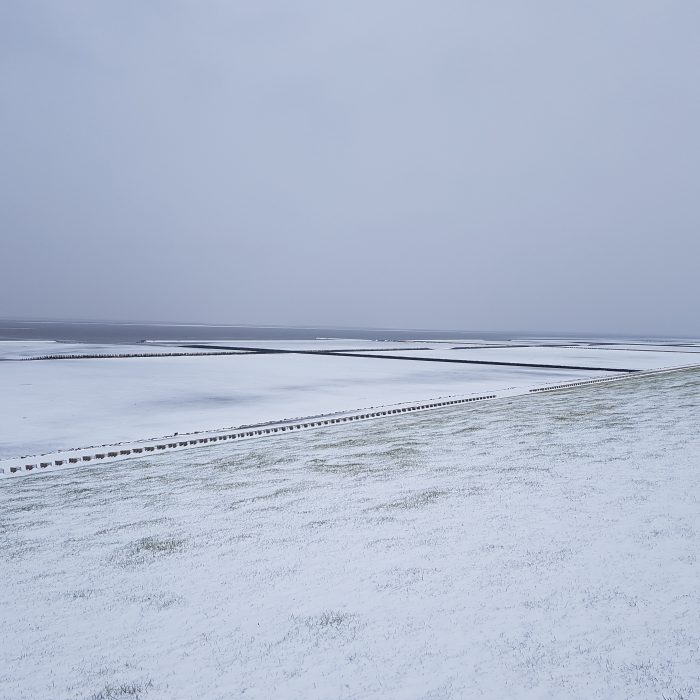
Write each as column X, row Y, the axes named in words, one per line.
column 110, row 332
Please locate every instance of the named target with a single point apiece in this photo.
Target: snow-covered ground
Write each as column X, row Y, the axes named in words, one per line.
column 50, row 406
column 22, row 350
column 60, row 404
column 335, row 344
column 542, row 547
column 627, row 358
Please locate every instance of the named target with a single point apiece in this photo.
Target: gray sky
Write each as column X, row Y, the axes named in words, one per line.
column 477, row 165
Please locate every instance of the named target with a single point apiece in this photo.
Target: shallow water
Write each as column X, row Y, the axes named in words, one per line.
column 105, row 332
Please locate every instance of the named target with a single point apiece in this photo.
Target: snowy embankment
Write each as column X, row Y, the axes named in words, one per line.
column 105, row 454
column 47, row 406
column 56, row 414
column 49, row 349
column 120, row 451
column 537, row 547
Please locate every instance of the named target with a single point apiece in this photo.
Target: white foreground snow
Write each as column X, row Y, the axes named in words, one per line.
column 544, row 547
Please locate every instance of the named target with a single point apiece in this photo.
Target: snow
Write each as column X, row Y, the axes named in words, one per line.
column 18, row 350
column 544, row 547
column 47, row 406
column 631, row 358
column 335, row 344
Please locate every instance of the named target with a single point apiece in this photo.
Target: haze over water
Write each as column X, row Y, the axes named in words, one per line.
column 111, row 332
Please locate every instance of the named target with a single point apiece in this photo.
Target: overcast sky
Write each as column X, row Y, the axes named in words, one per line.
column 452, row 164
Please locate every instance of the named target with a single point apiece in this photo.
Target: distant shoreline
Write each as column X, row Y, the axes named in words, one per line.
column 123, row 332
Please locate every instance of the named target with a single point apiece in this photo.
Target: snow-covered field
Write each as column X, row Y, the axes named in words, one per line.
column 23, row 350
column 542, row 547
column 60, row 404
column 335, row 344
column 629, row 358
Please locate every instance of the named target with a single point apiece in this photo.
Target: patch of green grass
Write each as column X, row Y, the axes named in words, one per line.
column 147, row 549
column 157, row 545
column 132, row 690
column 418, row 499
column 331, row 620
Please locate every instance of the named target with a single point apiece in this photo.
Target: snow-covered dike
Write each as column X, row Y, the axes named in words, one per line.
column 52, row 405
column 58, row 414
column 33, row 350
column 106, row 454
column 538, row 547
